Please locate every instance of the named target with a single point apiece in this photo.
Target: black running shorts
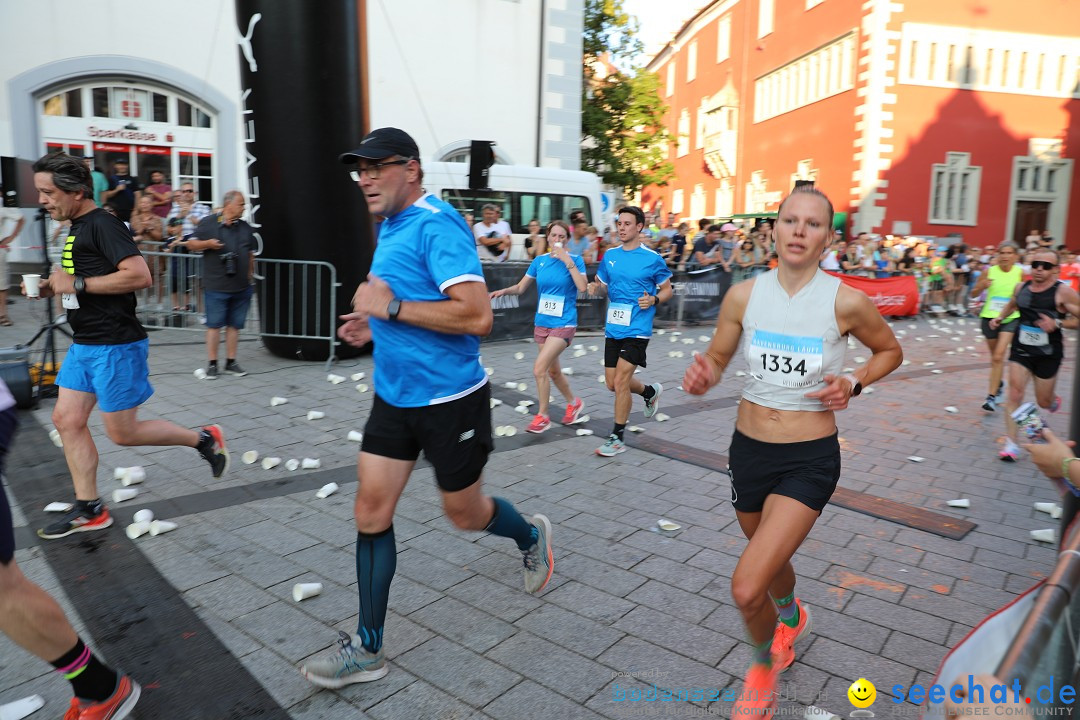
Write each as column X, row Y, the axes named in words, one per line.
column 1043, row 367
column 806, row 471
column 632, row 350
column 455, row 436
column 8, row 423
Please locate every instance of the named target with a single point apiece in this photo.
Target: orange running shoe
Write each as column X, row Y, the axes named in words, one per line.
column 573, row 411
column 758, row 696
column 118, row 706
column 539, row 424
column 785, row 637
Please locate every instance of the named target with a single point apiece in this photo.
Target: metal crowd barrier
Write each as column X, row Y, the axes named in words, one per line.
column 294, row 299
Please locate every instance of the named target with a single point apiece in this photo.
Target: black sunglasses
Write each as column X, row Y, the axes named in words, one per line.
column 1042, row 265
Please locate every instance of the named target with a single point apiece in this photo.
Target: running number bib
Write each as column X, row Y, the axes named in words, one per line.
column 70, row 301
column 1034, row 336
column 786, row 360
column 619, row 313
column 997, row 304
column 551, row 305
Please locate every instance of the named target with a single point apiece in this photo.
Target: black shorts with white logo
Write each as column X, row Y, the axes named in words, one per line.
column 632, row 350
column 455, row 436
column 805, row 471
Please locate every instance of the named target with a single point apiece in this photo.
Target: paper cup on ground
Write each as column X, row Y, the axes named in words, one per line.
column 335, row 379
column 157, row 527
column 357, row 377
column 250, row 457
column 302, row 591
column 292, row 464
column 311, row 463
column 327, row 490
column 58, row 507
column 122, row 494
column 960, row 503
column 54, row 435
column 1047, row 535
column 118, row 473
column 1045, row 507
column 275, row 401
column 133, row 476
column 145, row 515
column 355, row 436
column 137, row 529
column 33, row 285
column 315, row 415
column 270, row 463
column 199, row 374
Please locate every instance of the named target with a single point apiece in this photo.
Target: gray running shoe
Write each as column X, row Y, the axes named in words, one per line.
column 233, row 368
column 211, row 372
column 350, row 663
column 651, row 406
column 612, row 447
column 538, row 560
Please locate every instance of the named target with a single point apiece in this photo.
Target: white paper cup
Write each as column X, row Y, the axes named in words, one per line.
column 357, row 377
column 157, row 527
column 54, row 435
column 270, row 463
column 145, row 515
column 291, row 464
column 121, row 494
column 335, row 379
column 137, row 529
column 33, row 285
column 302, row 591
column 355, row 436
column 275, row 401
column 133, row 476
column 327, row 490
column 315, row 415
column 199, row 374
column 250, row 457
column 311, row 463
column 959, row 503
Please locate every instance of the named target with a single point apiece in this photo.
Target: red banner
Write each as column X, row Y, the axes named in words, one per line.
column 111, row 147
column 892, row 296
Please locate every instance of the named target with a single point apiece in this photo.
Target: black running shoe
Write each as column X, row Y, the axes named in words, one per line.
column 212, row 447
column 84, row 517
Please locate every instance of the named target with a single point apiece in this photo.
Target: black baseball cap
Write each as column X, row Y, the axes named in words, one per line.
column 174, row 221
column 382, row 143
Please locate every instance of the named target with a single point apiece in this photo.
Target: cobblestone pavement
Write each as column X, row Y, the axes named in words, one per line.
column 628, row 605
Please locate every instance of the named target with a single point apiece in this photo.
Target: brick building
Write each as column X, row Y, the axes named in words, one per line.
column 915, row 117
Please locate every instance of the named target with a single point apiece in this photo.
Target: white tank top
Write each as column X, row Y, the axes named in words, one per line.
column 791, row 343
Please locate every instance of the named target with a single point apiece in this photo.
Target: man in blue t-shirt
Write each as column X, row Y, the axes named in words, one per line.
column 426, row 305
column 636, row 280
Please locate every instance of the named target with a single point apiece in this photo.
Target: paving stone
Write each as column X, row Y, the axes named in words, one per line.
column 284, row 629
column 678, row 602
column 662, row 545
column 288, row 687
column 570, row 630
column 230, row 597
column 921, row 624
column 964, row 570
column 951, row 608
column 675, row 574
column 913, row 651
column 529, row 701
column 458, row 671
column 420, row 700
column 661, row 666
column 463, row 624
column 666, row 630
column 325, row 706
column 449, row 548
column 430, row 571
column 494, row 598
column 594, row 604
column 598, row 574
column 848, row 662
column 882, row 588
column 552, row 666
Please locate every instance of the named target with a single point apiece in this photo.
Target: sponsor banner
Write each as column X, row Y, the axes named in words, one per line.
column 894, row 296
column 151, row 150
column 111, row 147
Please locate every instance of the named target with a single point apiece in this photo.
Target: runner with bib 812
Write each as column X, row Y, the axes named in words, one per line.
column 785, row 454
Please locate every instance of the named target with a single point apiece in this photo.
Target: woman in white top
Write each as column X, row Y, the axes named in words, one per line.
column 785, row 455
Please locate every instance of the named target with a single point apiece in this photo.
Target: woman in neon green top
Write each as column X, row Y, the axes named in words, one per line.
column 999, row 281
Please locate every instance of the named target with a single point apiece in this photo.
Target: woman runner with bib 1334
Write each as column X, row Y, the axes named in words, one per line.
column 559, row 277
column 785, row 454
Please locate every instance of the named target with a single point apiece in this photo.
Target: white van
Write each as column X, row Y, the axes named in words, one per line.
column 523, row 193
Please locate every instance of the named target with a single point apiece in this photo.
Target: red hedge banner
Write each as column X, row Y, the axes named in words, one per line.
column 892, row 296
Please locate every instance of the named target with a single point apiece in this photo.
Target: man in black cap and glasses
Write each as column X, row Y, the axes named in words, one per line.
column 426, row 306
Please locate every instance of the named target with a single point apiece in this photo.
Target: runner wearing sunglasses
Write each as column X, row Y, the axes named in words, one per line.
column 1037, row 351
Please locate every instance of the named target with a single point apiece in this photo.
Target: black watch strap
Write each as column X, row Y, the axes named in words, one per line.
column 393, row 309
column 80, row 285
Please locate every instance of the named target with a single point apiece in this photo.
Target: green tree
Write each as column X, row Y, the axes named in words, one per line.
column 624, row 140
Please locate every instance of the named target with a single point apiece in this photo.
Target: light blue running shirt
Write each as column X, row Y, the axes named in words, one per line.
column 422, row 251
column 627, row 274
column 556, row 292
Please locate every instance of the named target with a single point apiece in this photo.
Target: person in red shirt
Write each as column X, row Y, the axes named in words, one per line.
column 1069, row 270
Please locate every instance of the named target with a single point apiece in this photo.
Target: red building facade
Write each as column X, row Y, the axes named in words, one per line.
column 916, row 117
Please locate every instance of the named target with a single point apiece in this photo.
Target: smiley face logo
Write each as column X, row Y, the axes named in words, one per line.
column 862, row 693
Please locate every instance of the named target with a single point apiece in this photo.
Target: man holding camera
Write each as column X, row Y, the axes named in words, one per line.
column 492, row 235
column 227, row 244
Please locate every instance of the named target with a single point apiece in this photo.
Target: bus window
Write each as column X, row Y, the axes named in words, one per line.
column 531, row 206
column 574, row 202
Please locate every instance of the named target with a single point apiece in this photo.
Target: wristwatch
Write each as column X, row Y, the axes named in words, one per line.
column 856, row 386
column 655, row 300
column 80, row 284
column 393, row 309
